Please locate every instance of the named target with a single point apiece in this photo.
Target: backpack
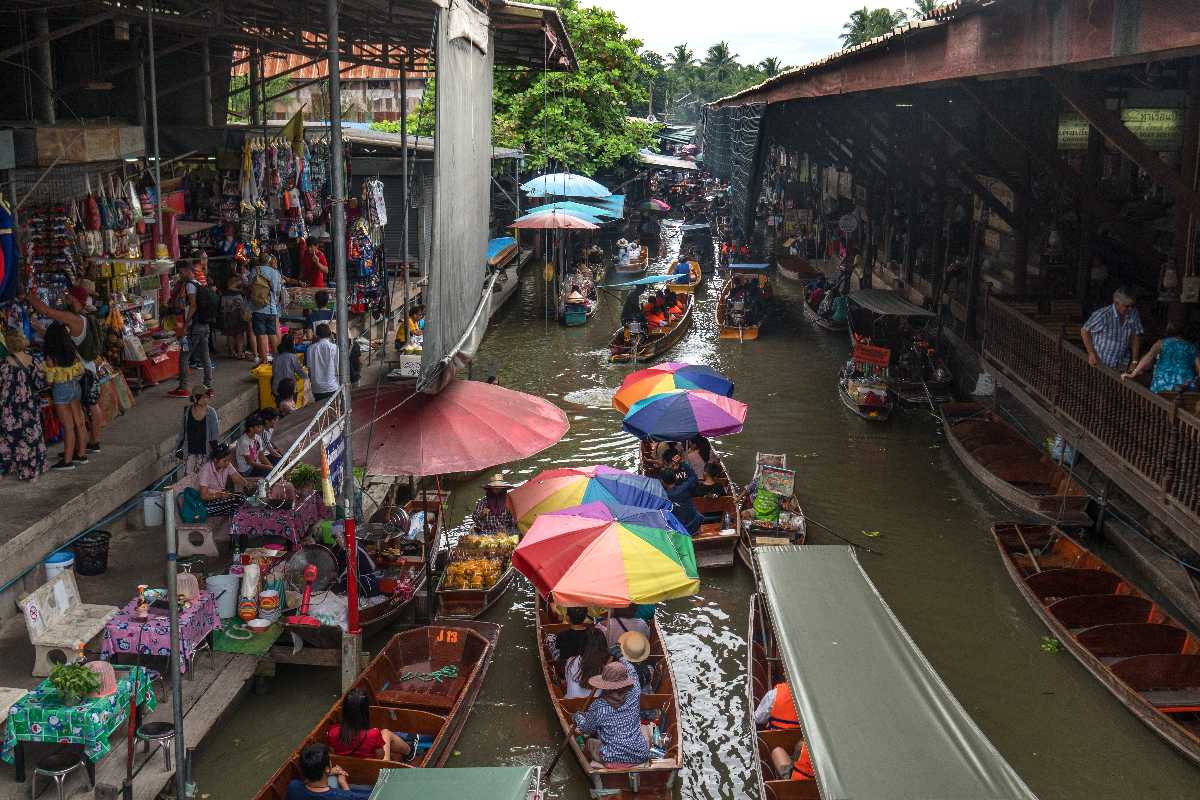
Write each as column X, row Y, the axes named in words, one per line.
column 208, row 305
column 92, row 345
column 192, row 508
column 261, row 290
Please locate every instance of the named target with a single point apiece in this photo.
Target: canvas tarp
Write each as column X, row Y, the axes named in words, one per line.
column 880, row 723
column 888, row 303
column 494, row 783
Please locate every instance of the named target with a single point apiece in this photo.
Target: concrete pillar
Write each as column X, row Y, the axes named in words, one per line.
column 43, row 87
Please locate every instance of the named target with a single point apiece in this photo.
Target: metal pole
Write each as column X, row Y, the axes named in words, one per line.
column 158, row 217
column 338, row 224
column 45, row 70
column 176, row 682
column 404, row 174
column 206, row 56
column 254, row 86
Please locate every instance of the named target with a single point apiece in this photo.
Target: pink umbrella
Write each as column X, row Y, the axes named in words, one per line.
column 553, row 220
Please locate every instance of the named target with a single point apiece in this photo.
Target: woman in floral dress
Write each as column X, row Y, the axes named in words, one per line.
column 22, row 380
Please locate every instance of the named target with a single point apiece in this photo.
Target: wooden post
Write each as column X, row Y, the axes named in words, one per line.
column 1021, row 209
column 1087, row 218
column 351, row 647
column 911, row 182
column 1185, row 221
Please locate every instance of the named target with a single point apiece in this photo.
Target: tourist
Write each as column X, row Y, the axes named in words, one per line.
column 621, row 621
column 698, row 454
column 355, row 737
column 322, row 358
column 322, row 312
column 1112, row 335
column 270, row 453
column 321, row 780
column 710, row 483
column 213, row 480
column 612, row 722
column 285, row 396
column 673, row 459
column 22, row 380
column 234, row 314
column 570, row 643
column 198, row 433
column 680, row 493
column 285, row 366
column 586, row 664
column 248, row 455
column 313, row 265
column 1176, row 362
column 776, row 711
column 794, row 766
column 265, row 286
column 64, row 369
column 634, row 647
column 183, row 310
column 198, row 331
column 491, row 514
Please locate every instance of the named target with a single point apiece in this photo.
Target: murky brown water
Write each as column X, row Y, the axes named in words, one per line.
column 939, row 570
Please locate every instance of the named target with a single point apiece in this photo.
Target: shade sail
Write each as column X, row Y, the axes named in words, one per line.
column 572, row 207
column 556, row 220
column 882, row 301
column 494, row 783
column 556, row 489
column 880, row 723
column 667, row 377
column 679, row 414
column 564, row 184
column 650, row 280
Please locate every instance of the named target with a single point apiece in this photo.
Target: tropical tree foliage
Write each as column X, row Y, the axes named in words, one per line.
column 866, row 23
column 771, row 67
column 922, row 7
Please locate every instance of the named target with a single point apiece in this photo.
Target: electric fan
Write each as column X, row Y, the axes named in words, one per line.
column 314, row 568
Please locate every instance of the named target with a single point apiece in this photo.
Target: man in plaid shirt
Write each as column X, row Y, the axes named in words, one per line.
column 1112, row 335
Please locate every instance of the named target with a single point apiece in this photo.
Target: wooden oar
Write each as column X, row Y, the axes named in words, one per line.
column 1028, row 551
column 566, row 742
column 839, row 536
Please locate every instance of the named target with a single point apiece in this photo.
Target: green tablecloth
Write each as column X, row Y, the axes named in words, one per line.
column 257, row 645
column 41, row 716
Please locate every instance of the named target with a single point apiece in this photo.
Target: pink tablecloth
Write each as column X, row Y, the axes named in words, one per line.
column 124, row 634
column 289, row 523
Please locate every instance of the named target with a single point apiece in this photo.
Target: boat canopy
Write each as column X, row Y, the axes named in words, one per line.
column 498, row 249
column 494, row 783
column 650, row 280
column 749, row 267
column 880, row 723
column 571, row 207
column 888, row 303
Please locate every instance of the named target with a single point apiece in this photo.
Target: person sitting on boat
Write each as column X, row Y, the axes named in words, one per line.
column 698, row 454
column 355, row 737
column 322, row 780
column 676, row 303
column 567, row 644
column 680, row 493
column 633, row 649
column 621, row 621
column 682, row 268
column 794, row 766
column 816, row 294
column 631, row 310
column 612, row 723
column 776, row 711
column 653, row 315
column 710, row 484
column 586, row 664
column 491, row 514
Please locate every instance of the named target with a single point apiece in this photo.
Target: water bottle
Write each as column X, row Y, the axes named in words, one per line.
column 726, row 522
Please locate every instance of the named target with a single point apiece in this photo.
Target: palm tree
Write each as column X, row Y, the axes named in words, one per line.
column 867, row 23
column 720, row 62
column 771, row 67
column 681, row 58
column 922, row 7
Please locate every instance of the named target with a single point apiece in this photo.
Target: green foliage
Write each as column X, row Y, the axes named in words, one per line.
column 867, row 23
column 74, row 680
column 922, row 7
column 305, row 476
column 238, row 103
column 1050, row 645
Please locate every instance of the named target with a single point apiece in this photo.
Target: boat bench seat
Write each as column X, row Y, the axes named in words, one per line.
column 1178, row 700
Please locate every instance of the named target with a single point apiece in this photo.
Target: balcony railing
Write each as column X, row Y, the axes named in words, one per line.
column 1152, row 438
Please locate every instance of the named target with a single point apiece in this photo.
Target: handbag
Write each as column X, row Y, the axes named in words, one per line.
column 90, row 388
column 192, row 508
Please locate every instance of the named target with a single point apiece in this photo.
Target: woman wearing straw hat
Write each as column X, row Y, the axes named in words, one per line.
column 491, row 514
column 612, row 722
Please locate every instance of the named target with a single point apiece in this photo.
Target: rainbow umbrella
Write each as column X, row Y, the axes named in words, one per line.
column 666, row 378
column 578, row 560
column 678, row 415
column 653, row 517
column 555, row 489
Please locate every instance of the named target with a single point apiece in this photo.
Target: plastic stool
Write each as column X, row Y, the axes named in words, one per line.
column 195, row 540
column 58, row 766
column 162, row 734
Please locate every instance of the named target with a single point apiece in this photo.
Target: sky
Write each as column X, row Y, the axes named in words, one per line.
column 794, row 31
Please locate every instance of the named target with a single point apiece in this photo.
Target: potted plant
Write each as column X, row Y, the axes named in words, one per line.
column 305, row 478
column 74, row 682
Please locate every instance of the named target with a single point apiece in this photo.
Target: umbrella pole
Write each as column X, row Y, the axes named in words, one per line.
column 428, row 555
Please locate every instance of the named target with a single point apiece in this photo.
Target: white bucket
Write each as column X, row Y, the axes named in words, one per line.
column 152, row 509
column 62, row 561
column 225, row 589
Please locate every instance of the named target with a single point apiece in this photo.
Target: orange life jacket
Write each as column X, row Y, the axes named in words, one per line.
column 653, row 315
column 802, row 768
column 783, row 710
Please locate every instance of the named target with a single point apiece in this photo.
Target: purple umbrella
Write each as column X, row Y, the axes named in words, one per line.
column 679, row 415
column 615, row 512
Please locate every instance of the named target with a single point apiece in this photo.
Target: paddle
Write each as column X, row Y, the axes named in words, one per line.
column 567, row 741
column 837, row 535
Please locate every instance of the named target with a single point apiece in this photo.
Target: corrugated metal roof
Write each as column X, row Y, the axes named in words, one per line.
column 279, row 63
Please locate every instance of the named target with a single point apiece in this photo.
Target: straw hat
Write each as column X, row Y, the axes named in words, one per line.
column 634, row 646
column 622, row 242
column 575, row 297
column 497, row 482
column 614, row 676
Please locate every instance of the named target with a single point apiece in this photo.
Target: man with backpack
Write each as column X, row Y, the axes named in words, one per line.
column 195, row 308
column 265, row 284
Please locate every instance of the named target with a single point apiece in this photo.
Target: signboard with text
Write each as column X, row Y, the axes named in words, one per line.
column 870, row 354
column 335, row 456
column 1160, row 129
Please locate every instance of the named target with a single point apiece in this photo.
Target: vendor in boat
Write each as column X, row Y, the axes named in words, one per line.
column 321, row 780
column 355, row 737
column 612, row 723
column 491, row 514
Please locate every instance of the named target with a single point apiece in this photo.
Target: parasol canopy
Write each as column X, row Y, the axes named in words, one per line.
column 557, row 221
column 682, row 414
column 564, row 184
column 555, row 489
column 571, row 207
column 584, row 561
column 650, row 280
column 669, row 377
column 654, row 204
column 653, row 517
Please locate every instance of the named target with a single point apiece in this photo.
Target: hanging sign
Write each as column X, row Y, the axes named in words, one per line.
column 1160, row 129
column 870, row 354
column 335, row 455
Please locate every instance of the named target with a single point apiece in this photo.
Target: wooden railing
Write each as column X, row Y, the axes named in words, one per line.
column 1155, row 438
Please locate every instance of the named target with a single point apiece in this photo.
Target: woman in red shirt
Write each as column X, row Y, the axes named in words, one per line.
column 355, row 737
column 313, row 265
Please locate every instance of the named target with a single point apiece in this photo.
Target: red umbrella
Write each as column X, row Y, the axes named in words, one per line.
column 466, row 427
column 553, row 220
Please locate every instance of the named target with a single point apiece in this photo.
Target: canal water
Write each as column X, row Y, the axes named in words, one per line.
column 937, row 567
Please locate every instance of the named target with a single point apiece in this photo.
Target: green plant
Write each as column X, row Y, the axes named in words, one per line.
column 305, row 476
column 74, row 680
column 1051, row 645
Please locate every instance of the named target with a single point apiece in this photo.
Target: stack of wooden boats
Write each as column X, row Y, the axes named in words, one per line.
column 407, row 701
column 655, row 778
column 715, row 542
column 644, row 345
column 1129, row 642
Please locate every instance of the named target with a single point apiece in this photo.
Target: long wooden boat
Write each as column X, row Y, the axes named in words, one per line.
column 1011, row 467
column 824, row 323
column 728, row 330
column 715, row 542
column 1131, row 644
column 645, row 347
column 854, row 395
column 576, row 314
column 634, row 269
column 472, row 603
column 796, row 268
column 410, row 566
column 435, row 710
column 754, row 533
column 696, row 275
column 655, row 778
column 764, row 670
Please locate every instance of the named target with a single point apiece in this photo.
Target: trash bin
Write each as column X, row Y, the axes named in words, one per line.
column 91, row 553
column 266, row 398
column 152, row 509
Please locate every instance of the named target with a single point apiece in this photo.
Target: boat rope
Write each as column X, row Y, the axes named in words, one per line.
column 446, row 673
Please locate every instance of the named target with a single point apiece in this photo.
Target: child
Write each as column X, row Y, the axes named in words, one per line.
column 285, row 396
column 248, row 453
column 269, row 452
column 322, row 313
column 233, row 317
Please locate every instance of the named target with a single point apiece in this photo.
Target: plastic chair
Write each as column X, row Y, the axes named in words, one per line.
column 58, row 766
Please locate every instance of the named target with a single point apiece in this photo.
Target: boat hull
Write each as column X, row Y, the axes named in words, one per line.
column 752, row 533
column 824, row 323
column 795, row 268
column 714, row 544
column 871, row 413
column 621, row 352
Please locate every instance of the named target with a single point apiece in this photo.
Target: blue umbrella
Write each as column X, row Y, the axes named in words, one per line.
column 564, row 184
column 572, row 207
column 652, row 279
column 677, row 415
column 650, row 517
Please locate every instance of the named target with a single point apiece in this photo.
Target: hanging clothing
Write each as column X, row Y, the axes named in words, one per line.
column 22, row 445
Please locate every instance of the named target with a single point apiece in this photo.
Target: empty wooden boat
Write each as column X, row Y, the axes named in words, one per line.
column 715, row 542
column 1129, row 642
column 656, row 777
column 1011, row 466
column 796, row 268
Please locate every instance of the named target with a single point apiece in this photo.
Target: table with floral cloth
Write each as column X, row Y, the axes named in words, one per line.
column 124, row 634
column 289, row 523
column 41, row 717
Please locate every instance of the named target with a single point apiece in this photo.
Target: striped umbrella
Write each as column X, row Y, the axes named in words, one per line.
column 679, row 415
column 669, row 377
column 556, row 489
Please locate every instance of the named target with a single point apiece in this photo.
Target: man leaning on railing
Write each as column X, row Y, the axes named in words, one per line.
column 1112, row 335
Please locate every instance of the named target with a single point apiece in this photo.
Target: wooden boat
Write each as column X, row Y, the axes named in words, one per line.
column 714, row 543
column 795, row 268
column 727, row 316
column 825, row 323
column 764, row 670
column 635, row 269
column 641, row 347
column 696, row 275
column 655, row 778
column 410, row 566
column 576, row 314
column 435, row 710
column 756, row 533
column 868, row 398
column 504, row 258
column 472, row 603
column 1012, row 467
column 1126, row 640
